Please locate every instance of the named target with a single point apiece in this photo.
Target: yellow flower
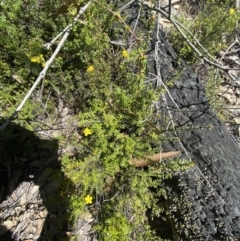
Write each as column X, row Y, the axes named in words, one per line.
column 72, row 10
column 38, row 59
column 88, row 199
column 90, row 69
column 125, row 54
column 87, row 132
column 232, row 10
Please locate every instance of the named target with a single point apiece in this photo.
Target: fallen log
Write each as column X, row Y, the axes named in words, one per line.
column 204, row 202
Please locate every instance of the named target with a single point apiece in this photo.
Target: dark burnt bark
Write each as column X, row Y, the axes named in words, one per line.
column 204, row 202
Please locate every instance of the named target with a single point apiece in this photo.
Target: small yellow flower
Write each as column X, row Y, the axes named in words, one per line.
column 125, row 54
column 90, row 69
column 232, row 10
column 88, row 199
column 38, row 59
column 87, row 132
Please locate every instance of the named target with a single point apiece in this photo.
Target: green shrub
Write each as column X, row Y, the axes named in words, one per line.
column 212, row 26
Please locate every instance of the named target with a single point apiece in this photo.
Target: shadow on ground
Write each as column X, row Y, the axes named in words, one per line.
column 33, row 200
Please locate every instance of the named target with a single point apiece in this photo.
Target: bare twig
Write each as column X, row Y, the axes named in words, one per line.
column 227, row 51
column 81, row 11
column 170, row 9
column 195, row 39
column 126, row 5
column 131, row 42
column 233, row 51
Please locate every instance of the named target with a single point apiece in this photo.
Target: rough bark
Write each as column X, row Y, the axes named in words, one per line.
column 204, row 201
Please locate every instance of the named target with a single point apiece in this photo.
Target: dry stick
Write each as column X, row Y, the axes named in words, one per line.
column 233, row 51
column 169, row 8
column 48, row 45
column 205, row 50
column 131, row 42
column 157, row 64
column 217, row 64
column 167, row 90
column 227, row 51
column 43, row 72
column 125, row 6
column 149, row 160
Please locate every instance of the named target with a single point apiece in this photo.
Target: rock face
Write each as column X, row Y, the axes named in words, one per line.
column 23, row 212
column 30, row 198
column 204, row 202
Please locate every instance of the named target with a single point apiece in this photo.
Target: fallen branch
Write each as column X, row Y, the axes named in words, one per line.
column 149, row 160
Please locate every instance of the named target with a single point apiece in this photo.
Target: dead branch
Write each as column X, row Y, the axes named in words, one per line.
column 149, row 160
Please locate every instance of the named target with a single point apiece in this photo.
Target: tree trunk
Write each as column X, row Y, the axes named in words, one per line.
column 204, row 202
